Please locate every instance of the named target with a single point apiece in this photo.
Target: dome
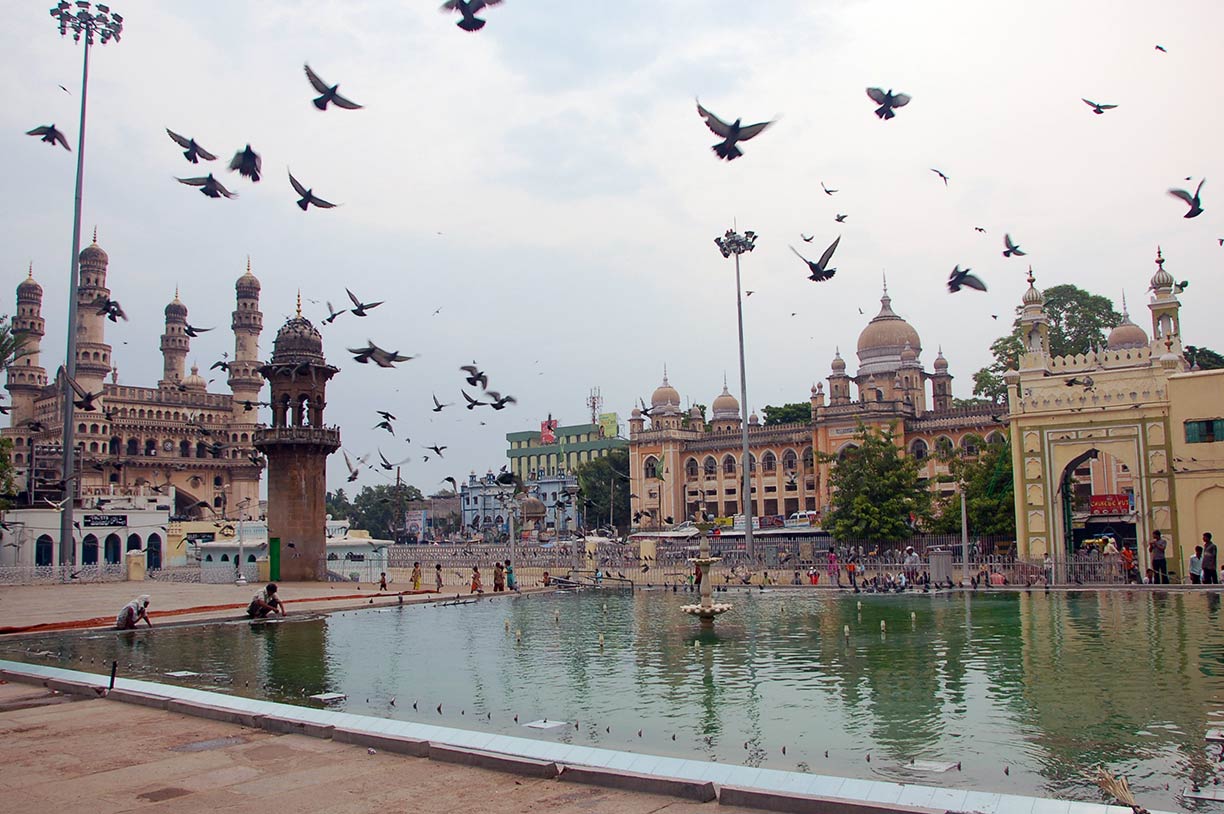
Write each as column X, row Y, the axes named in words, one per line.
column 754, row 419
column 29, row 289
column 940, row 362
column 298, row 341
column 839, row 364
column 247, row 283
column 908, row 354
column 1126, row 334
column 532, row 508
column 195, row 381
column 881, row 342
column 725, row 405
column 665, row 396
column 1161, row 279
column 93, row 254
column 636, row 413
column 176, row 308
column 695, row 413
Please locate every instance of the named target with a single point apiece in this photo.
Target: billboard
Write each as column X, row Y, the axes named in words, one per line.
column 609, row 425
column 414, row 521
column 547, row 436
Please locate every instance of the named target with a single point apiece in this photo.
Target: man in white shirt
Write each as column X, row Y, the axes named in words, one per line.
column 265, row 602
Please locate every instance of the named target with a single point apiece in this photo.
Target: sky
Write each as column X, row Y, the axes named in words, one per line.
column 547, row 184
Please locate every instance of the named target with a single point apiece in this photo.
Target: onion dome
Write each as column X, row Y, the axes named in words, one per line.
column 176, row 308
column 1161, row 279
column 1033, row 295
column 29, row 290
column 839, row 364
column 195, row 381
column 886, row 334
column 940, row 362
column 695, row 413
column 666, row 397
column 93, row 254
column 1126, row 334
column 298, row 340
column 636, row 413
column 908, row 354
column 725, row 405
column 754, row 419
column 247, row 283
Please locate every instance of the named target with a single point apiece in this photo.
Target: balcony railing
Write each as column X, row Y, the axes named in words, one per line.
column 306, row 436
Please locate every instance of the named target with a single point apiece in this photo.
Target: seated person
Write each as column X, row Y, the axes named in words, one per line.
column 132, row 613
column 547, row 579
column 265, row 602
column 997, row 579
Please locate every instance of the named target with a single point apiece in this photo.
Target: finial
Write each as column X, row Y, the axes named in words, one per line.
column 665, row 373
column 884, row 275
column 95, row 240
column 1159, row 259
column 31, row 273
column 176, row 291
column 299, row 303
column 1031, row 278
column 1125, row 315
column 248, row 264
column 837, row 351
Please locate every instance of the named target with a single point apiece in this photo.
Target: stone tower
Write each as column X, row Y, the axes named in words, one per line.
column 941, row 384
column 174, row 343
column 247, row 324
column 297, row 445
column 93, row 361
column 26, row 377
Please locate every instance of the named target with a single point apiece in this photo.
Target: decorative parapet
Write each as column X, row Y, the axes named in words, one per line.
column 1126, row 357
column 328, row 437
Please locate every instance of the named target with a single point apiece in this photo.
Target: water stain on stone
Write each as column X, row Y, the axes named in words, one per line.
column 166, row 793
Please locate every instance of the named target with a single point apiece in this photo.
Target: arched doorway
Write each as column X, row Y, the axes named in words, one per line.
column 133, row 543
column 110, row 549
column 44, row 550
column 89, row 550
column 153, row 552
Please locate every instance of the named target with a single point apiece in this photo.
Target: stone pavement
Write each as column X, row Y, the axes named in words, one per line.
column 98, row 756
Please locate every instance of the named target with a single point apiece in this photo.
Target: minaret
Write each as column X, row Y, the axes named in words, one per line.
column 26, row 377
column 93, row 354
column 839, row 382
column 244, row 379
column 174, row 343
column 297, row 445
column 1034, row 328
column 941, row 384
column 1165, row 308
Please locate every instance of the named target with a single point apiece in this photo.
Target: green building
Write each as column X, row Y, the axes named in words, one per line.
column 553, row 448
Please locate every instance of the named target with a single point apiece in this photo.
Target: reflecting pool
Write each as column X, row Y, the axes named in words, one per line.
column 1046, row 686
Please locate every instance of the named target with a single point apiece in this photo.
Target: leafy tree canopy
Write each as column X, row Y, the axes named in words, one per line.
column 595, row 483
column 987, row 481
column 377, row 509
column 800, row 412
column 876, row 490
column 1205, row 358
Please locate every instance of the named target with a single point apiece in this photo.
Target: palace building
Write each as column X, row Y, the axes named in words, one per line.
column 172, row 438
column 682, row 463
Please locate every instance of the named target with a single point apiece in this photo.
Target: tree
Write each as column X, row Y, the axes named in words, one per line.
column 12, row 343
column 1078, row 322
column 876, row 491
column 798, row 412
column 7, row 486
column 1205, row 358
column 376, row 509
column 338, row 505
column 595, row 483
column 684, row 421
column 990, row 495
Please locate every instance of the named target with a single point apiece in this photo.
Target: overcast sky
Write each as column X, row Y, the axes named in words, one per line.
column 548, row 185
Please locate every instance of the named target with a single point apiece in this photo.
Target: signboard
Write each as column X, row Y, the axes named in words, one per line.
column 414, row 521
column 200, row 537
column 547, row 436
column 94, row 521
column 1110, row 504
column 724, row 522
column 773, row 521
column 609, row 425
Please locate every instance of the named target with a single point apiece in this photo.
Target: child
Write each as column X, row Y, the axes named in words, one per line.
column 477, row 588
column 382, row 580
column 416, row 576
column 438, row 576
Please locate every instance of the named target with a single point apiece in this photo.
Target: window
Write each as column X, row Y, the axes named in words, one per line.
column 690, row 469
column 769, row 462
column 919, row 449
column 133, row 447
column 43, row 550
column 1205, row 432
column 650, row 469
column 790, row 460
column 808, row 458
column 729, row 465
column 970, row 444
column 711, row 467
column 944, row 446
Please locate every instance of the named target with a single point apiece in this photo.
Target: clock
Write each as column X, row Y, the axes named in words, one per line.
column 168, row 445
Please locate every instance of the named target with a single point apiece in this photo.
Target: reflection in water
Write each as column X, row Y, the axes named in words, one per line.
column 1047, row 685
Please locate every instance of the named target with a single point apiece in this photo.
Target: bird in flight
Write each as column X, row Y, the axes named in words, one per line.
column 1196, row 206
column 887, row 102
column 50, row 135
column 385, row 415
column 820, row 270
column 248, row 163
column 1096, row 108
column 354, row 472
column 329, row 92
column 471, row 402
column 475, row 376
column 959, row 278
column 840, row 218
column 827, row 191
column 451, row 481
column 387, row 465
column 731, row 133
column 807, row 238
column 193, row 331
column 437, row 408
column 221, row 364
column 1161, row 49
column 979, row 229
column 1010, row 248
column 84, row 400
column 194, row 152
column 385, row 424
column 941, row 175
column 437, row 450
column 332, row 313
column 499, row 401
column 110, row 308
column 469, row 9
column 308, row 196
column 380, row 357
column 209, row 186
column 361, row 307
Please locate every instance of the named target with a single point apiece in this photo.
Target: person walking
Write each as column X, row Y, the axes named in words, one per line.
column 1210, row 565
column 416, row 576
column 1196, row 566
column 1157, row 547
column 511, row 579
column 438, row 577
column 477, row 586
column 499, row 577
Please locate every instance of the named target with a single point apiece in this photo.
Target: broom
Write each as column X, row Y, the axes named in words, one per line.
column 1118, row 789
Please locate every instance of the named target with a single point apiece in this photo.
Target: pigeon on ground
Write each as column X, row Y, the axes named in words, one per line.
column 329, row 93
column 960, row 278
column 194, row 152
column 1196, row 207
column 308, row 196
column 248, row 163
column 1096, row 108
column 1010, row 248
column 731, row 133
column 51, row 135
column 887, row 101
column 209, row 186
column 469, row 9
column 820, row 270
column 360, row 308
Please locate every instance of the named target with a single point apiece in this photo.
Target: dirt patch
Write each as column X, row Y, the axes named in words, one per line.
column 166, row 793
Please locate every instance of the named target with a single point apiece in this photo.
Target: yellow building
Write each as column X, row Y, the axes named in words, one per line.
column 684, row 463
column 1133, row 403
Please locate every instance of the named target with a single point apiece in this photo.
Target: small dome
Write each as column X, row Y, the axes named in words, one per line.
column 1161, row 279
column 29, row 289
column 298, row 340
column 940, row 362
column 1126, row 334
column 247, row 283
column 636, row 413
column 725, row 405
column 1033, row 295
column 195, row 381
column 839, row 364
column 908, row 354
column 665, row 396
column 94, row 255
column 695, row 412
column 176, row 308
column 754, row 419
column 532, row 508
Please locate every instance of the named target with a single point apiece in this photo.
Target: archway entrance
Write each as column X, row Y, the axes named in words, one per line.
column 89, row 550
column 1097, row 505
column 153, row 552
column 111, row 549
column 44, row 548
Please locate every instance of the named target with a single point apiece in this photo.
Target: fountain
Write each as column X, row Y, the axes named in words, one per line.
column 707, row 609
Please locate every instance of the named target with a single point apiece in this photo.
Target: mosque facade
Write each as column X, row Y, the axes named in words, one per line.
column 172, row 438
column 682, row 463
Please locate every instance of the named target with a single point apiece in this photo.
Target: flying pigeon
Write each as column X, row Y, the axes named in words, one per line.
column 840, row 218
column 499, row 401
column 84, row 400
column 437, row 408
column 819, row 270
column 194, row 152
column 50, row 135
column 827, row 191
column 887, row 101
column 193, row 331
column 471, row 402
column 960, row 278
column 941, row 175
column 731, row 133
column 329, row 93
column 1011, row 248
column 1196, row 207
column 375, row 354
column 209, row 186
column 248, row 163
column 110, row 308
column 475, row 376
column 1096, row 108
column 469, row 9
column 308, row 196
column 361, row 308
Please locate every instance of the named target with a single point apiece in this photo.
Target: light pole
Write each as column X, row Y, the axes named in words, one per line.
column 242, row 505
column 84, row 24
column 733, row 243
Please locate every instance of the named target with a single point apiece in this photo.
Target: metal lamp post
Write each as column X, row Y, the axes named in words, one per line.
column 733, row 243
column 85, row 24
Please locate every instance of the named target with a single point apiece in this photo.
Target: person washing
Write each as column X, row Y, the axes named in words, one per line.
column 265, row 602
column 132, row 613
